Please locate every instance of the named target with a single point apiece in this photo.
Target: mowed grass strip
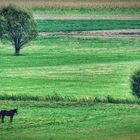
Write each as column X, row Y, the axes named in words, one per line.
column 79, row 67
column 40, row 120
column 85, row 25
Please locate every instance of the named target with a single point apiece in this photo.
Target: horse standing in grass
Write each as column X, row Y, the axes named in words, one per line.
column 9, row 113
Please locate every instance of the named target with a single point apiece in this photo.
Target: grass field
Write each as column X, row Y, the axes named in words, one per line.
column 71, row 66
column 73, row 87
column 54, row 122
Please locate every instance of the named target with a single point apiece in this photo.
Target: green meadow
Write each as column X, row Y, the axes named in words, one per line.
column 72, row 88
column 79, row 67
column 43, row 121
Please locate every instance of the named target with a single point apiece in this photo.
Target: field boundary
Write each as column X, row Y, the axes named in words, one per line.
column 68, row 100
column 97, row 33
column 86, row 16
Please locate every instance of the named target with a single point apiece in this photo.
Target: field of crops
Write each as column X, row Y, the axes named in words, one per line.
column 100, row 4
column 73, row 81
column 85, row 25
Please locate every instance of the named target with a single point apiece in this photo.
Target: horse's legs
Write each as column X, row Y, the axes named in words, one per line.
column 11, row 118
column 2, row 119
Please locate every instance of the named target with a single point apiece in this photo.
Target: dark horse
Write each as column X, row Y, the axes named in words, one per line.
column 9, row 113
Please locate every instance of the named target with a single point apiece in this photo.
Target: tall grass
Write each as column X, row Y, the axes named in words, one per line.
column 97, row 4
column 57, row 98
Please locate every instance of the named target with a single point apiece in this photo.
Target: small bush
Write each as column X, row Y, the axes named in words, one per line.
column 135, row 83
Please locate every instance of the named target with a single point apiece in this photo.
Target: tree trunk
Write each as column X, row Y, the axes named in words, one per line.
column 17, row 51
column 17, row 47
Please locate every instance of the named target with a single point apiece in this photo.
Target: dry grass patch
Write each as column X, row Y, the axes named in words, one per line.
column 86, row 16
column 98, row 33
column 74, row 3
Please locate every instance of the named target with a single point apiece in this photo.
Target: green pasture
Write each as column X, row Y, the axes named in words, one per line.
column 43, row 121
column 84, row 11
column 82, row 25
column 77, row 67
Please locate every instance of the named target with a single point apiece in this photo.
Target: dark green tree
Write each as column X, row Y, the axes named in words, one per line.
column 17, row 26
column 135, row 84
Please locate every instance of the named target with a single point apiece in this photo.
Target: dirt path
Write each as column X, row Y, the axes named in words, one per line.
column 86, row 16
column 98, row 33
